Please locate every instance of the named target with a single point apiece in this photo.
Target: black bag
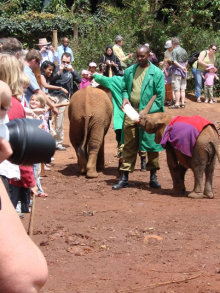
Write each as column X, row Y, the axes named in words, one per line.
column 193, row 58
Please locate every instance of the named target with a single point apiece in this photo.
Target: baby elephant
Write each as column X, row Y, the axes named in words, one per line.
column 190, row 142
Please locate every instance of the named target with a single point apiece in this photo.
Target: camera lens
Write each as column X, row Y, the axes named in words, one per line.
column 29, row 143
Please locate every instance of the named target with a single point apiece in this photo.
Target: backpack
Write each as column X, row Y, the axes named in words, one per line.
column 193, row 58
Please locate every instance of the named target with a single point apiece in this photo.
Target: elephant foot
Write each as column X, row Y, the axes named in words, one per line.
column 197, row 195
column 91, row 174
column 178, row 191
column 208, row 194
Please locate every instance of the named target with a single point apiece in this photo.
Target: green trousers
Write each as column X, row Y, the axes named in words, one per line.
column 131, row 148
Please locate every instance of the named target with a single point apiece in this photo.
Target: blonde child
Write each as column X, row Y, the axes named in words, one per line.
column 209, row 78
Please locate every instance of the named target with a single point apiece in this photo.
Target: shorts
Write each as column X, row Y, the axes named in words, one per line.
column 178, row 82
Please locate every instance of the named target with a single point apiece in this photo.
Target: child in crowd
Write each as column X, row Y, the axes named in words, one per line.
column 92, row 69
column 47, row 70
column 167, row 70
column 85, row 79
column 209, row 78
column 38, row 110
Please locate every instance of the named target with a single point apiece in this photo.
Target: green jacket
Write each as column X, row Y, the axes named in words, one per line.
column 153, row 84
column 114, row 85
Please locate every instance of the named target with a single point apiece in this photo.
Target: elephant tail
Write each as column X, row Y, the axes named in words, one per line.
column 217, row 150
column 81, row 149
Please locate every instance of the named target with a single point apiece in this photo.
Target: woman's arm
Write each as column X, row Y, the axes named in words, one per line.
column 51, row 87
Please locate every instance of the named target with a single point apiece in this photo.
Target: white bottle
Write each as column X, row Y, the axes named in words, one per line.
column 131, row 112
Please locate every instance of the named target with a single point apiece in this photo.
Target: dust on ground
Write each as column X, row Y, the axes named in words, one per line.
column 98, row 240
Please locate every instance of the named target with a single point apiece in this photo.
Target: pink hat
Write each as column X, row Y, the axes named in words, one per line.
column 84, row 71
column 211, row 67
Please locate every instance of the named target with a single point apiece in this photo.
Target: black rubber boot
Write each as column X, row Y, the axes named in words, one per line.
column 153, row 179
column 123, row 182
column 143, row 164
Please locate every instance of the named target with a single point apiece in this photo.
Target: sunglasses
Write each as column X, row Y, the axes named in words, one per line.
column 65, row 62
column 214, row 49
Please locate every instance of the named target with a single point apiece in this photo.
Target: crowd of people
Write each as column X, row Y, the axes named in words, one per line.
column 39, row 83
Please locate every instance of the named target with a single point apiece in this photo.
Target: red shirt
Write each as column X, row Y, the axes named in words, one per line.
column 27, row 174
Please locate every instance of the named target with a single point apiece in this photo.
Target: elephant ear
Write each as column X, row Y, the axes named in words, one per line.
column 146, row 110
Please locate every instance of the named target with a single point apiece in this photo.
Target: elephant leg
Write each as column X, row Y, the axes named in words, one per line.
column 101, row 158
column 209, row 171
column 94, row 144
column 82, row 160
column 76, row 134
column 177, row 173
column 182, row 172
column 198, row 171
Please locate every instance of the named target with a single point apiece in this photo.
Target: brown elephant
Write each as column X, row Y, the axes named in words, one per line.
column 90, row 113
column 203, row 152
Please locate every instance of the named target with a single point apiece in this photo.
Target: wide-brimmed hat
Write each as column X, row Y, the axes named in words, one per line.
column 92, row 64
column 211, row 67
column 168, row 44
column 43, row 42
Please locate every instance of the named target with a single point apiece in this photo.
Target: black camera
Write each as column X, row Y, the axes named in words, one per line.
column 29, row 143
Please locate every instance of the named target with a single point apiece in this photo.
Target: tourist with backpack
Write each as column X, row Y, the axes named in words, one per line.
column 206, row 58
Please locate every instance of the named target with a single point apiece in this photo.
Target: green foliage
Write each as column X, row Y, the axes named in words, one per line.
column 14, row 7
column 196, row 23
column 31, row 26
column 56, row 6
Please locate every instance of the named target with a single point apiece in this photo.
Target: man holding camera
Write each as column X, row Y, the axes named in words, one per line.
column 68, row 78
column 47, row 51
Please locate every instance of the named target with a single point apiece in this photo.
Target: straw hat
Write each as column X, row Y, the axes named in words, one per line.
column 43, row 42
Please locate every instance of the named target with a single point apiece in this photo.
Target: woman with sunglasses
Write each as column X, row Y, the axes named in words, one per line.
column 206, row 58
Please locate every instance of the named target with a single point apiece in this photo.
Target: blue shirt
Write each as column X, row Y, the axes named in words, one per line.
column 60, row 51
column 33, row 86
column 48, row 55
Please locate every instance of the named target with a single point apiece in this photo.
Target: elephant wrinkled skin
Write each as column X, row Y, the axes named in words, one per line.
column 90, row 113
column 202, row 161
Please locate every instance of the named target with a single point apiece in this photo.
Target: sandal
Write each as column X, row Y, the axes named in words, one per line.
column 182, row 106
column 174, row 107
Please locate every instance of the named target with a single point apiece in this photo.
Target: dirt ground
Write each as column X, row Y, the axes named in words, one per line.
column 137, row 239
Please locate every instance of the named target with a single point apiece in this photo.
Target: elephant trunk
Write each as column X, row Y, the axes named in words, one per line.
column 146, row 110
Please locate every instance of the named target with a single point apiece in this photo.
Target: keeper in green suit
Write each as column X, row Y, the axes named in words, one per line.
column 140, row 82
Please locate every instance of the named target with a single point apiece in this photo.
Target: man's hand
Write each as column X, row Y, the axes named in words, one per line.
column 5, row 149
column 124, row 102
column 43, row 49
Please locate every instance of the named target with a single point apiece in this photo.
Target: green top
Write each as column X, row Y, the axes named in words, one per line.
column 114, row 85
column 206, row 60
column 153, row 84
column 136, row 86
